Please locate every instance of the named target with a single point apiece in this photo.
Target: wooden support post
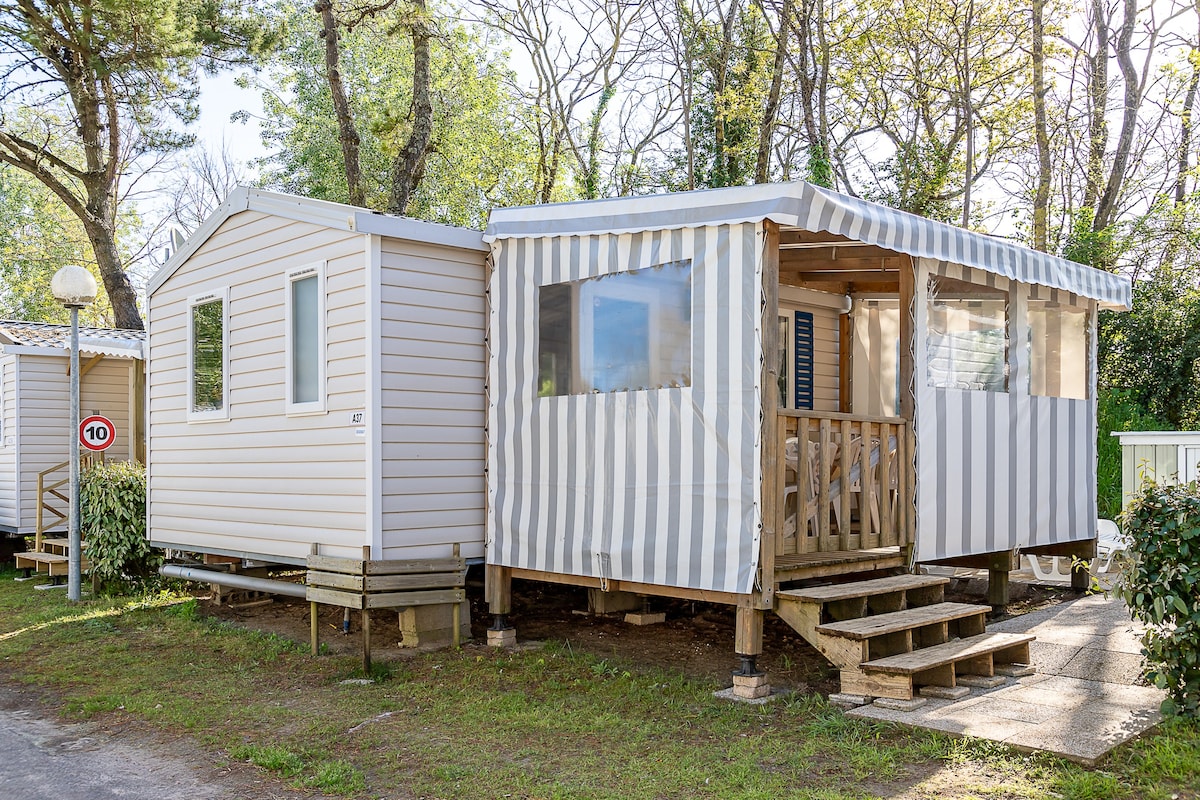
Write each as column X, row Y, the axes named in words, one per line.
column 748, row 636
column 844, row 367
column 366, row 641
column 907, row 485
column 772, row 455
column 456, row 611
column 1081, row 576
column 313, row 623
column 314, row 628
column 498, row 589
column 997, row 581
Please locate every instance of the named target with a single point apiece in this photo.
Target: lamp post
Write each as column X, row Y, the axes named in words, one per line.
column 75, row 288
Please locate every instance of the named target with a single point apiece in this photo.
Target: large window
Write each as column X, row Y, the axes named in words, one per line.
column 623, row 332
column 967, row 340
column 208, row 392
column 306, row 339
column 1059, row 350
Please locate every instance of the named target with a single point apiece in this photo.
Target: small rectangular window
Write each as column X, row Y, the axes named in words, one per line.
column 1059, row 350
column 306, row 339
column 967, row 336
column 208, row 394
column 627, row 331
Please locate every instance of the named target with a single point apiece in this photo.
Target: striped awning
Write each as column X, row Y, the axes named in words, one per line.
column 811, row 208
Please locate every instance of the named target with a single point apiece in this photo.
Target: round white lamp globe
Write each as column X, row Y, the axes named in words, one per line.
column 73, row 286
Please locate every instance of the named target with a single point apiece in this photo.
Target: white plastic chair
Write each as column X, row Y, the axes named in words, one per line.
column 1108, row 544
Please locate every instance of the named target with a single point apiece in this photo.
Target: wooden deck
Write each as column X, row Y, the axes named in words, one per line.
column 801, row 566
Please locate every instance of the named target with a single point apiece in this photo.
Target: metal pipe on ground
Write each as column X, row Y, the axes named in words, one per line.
column 233, row 580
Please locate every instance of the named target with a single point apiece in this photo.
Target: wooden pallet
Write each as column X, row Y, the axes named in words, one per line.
column 366, row 584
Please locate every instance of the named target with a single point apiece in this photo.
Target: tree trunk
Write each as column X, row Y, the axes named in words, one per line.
column 409, row 166
column 1183, row 156
column 1098, row 98
column 968, row 113
column 1106, row 208
column 116, row 283
column 1041, row 197
column 347, row 130
column 771, row 111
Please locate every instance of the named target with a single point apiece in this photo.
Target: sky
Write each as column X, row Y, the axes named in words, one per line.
column 220, row 97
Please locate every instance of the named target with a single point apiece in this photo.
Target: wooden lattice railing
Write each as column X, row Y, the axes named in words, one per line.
column 847, row 482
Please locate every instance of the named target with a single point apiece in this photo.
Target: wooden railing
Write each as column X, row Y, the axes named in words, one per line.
column 847, row 482
column 52, row 499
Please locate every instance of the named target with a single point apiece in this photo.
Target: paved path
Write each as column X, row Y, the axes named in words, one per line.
column 42, row 759
column 1083, row 702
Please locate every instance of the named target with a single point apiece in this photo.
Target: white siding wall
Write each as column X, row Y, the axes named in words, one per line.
column 826, row 340
column 432, row 385
column 260, row 482
column 45, row 416
column 8, row 442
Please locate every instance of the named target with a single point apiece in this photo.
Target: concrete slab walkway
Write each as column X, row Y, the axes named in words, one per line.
column 1084, row 700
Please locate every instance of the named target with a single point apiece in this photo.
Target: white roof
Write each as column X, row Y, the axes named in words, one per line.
column 811, row 208
column 319, row 212
column 1158, row 437
column 56, row 339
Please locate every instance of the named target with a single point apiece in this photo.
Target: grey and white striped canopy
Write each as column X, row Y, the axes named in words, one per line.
column 815, row 209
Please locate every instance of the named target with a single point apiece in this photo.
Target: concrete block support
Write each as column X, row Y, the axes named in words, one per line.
column 433, row 626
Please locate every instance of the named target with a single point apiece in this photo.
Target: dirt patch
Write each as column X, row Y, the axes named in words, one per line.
column 696, row 639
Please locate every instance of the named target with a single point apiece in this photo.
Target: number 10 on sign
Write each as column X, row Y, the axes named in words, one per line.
column 97, row 433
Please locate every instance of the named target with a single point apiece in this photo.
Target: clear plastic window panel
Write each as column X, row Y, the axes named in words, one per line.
column 305, row 341
column 1059, row 350
column 967, row 336
column 628, row 331
column 208, row 356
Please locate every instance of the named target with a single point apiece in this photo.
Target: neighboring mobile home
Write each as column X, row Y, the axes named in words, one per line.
column 1165, row 457
column 35, row 417
column 316, row 383
column 715, row 394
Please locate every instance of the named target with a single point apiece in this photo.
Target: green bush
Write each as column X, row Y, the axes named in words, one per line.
column 1116, row 410
column 112, row 503
column 1161, row 584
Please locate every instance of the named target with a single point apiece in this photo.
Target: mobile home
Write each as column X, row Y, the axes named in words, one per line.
column 316, row 384
column 720, row 394
column 35, row 432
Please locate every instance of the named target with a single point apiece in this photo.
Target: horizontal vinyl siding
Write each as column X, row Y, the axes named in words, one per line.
column 45, row 417
column 8, row 442
column 260, row 482
column 433, row 363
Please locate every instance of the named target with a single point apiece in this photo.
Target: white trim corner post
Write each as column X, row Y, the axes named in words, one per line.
column 75, row 288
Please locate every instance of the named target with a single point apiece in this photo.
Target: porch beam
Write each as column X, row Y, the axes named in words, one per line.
column 846, row 269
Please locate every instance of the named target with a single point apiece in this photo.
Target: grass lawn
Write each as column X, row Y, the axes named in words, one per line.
column 539, row 723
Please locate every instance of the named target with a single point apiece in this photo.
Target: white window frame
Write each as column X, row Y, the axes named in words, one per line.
column 214, row 415
column 318, row 406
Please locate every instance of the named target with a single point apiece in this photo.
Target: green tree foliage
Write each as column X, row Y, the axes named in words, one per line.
column 1152, row 353
column 112, row 507
column 1116, row 411
column 37, row 236
column 479, row 157
column 732, row 58
column 1160, row 582
column 91, row 89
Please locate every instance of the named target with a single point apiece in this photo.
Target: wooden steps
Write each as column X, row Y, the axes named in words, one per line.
column 889, row 636
column 53, row 564
column 899, row 621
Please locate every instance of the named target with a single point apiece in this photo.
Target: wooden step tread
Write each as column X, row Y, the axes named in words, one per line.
column 941, row 654
column 849, row 591
column 45, row 558
column 896, row 621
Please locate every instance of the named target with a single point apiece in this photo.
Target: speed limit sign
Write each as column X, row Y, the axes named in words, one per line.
column 97, row 433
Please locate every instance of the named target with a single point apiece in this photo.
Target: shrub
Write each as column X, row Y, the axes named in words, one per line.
column 112, row 503
column 1161, row 585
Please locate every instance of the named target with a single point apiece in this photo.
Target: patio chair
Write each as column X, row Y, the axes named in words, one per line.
column 1108, row 545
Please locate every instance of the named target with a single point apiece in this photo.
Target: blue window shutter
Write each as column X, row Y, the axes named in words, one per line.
column 804, row 360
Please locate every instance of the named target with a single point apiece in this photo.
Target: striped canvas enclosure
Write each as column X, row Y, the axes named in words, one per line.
column 656, row 485
column 998, row 470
